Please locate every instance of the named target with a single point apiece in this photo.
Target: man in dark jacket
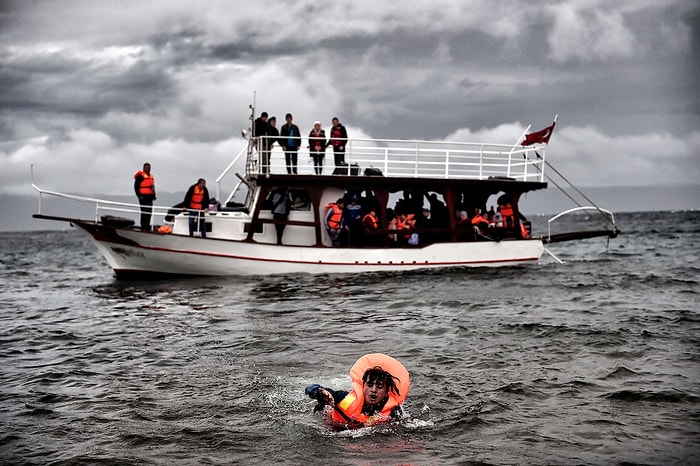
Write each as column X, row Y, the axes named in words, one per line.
column 260, row 134
column 145, row 189
column 281, row 204
column 338, row 139
column 290, row 140
column 197, row 202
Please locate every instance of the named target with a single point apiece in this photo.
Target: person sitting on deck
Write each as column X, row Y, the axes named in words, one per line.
column 479, row 220
column 462, row 219
column 380, row 385
column 334, row 220
column 490, row 214
column 462, row 223
column 498, row 218
column 393, row 222
column 479, row 223
column 405, row 222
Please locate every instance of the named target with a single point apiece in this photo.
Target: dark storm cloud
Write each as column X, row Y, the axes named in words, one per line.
column 53, row 86
column 171, row 82
column 92, row 91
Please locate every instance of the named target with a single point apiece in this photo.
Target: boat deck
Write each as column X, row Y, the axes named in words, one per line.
column 421, row 159
column 403, row 161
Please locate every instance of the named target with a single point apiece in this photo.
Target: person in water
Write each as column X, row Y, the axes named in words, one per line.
column 380, row 386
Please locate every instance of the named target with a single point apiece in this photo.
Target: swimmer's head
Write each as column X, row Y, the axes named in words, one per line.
column 377, row 384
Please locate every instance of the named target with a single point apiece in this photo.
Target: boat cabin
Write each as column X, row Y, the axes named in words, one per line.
column 391, row 177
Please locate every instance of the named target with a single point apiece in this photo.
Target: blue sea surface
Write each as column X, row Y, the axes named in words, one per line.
column 593, row 361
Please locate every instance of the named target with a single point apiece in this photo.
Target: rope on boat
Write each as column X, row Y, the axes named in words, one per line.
column 578, row 204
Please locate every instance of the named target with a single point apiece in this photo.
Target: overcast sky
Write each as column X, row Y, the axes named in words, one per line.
column 89, row 90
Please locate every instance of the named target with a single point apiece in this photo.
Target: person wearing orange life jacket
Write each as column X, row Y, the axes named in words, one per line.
column 524, row 232
column 370, row 221
column 334, row 220
column 380, row 385
column 507, row 214
column 479, row 221
column 338, row 140
column 405, row 222
column 197, row 203
column 145, row 189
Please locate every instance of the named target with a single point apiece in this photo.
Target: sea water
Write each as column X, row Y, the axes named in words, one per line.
column 593, row 361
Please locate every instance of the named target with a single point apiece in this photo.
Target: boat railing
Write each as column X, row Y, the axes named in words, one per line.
column 251, row 166
column 101, row 206
column 419, row 159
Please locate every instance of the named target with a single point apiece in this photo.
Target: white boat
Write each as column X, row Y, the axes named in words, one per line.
column 241, row 237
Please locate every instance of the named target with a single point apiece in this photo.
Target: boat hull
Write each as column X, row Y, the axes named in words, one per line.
column 135, row 252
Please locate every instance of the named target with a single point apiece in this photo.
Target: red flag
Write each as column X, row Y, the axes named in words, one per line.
column 539, row 137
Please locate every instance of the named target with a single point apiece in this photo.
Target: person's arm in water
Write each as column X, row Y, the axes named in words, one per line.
column 324, row 396
column 397, row 412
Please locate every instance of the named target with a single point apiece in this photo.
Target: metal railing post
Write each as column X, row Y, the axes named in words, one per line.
column 415, row 170
column 481, row 162
column 386, row 161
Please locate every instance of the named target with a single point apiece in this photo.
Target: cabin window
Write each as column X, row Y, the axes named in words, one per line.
column 300, row 199
column 258, row 228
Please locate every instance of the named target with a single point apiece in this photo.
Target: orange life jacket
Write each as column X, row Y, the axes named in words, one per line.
column 507, row 214
column 352, row 404
column 197, row 201
column 370, row 222
column 336, row 219
column 148, row 185
column 478, row 218
column 523, row 231
column 405, row 223
column 507, row 210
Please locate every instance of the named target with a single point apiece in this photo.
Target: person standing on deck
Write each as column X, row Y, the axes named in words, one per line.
column 352, row 220
column 338, row 139
column 317, row 146
column 281, row 204
column 197, row 202
column 145, row 188
column 272, row 138
column 334, row 220
column 290, row 139
column 260, row 133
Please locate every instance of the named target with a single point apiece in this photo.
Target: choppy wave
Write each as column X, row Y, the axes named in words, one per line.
column 592, row 361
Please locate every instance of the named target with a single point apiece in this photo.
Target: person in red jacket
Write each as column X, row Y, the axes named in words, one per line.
column 338, row 140
column 145, row 189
